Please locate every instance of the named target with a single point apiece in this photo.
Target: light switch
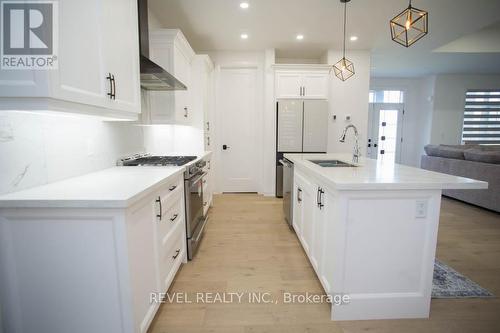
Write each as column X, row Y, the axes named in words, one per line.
column 421, row 209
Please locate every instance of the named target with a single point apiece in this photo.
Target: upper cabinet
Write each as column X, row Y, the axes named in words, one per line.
column 98, row 64
column 302, row 81
column 171, row 50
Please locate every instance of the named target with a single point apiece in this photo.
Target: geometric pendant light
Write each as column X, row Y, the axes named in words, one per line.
column 344, row 68
column 409, row 26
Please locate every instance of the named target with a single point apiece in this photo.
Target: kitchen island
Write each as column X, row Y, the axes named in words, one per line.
column 370, row 232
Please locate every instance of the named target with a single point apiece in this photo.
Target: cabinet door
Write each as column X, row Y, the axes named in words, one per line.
column 121, row 52
column 142, row 260
column 297, row 208
column 80, row 77
column 303, row 211
column 182, row 71
column 315, row 85
column 288, row 85
column 319, row 230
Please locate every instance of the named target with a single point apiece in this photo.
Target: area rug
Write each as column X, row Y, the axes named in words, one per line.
column 448, row 283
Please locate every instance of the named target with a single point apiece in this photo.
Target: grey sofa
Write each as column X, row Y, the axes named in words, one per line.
column 471, row 161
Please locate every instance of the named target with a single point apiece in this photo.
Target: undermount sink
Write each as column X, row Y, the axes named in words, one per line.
column 332, row 163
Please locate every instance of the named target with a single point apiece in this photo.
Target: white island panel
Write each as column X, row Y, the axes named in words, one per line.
column 370, row 232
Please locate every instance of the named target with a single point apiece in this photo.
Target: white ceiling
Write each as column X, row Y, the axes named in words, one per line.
column 217, row 25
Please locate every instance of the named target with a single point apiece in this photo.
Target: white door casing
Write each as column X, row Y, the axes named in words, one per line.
column 238, row 118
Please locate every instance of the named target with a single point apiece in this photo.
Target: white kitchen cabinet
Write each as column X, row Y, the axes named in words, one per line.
column 303, row 220
column 288, row 85
column 312, row 209
column 315, row 85
column 96, row 268
column 170, row 49
column 302, row 82
column 98, row 69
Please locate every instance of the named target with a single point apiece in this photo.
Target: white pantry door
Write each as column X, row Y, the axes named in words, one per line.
column 238, row 134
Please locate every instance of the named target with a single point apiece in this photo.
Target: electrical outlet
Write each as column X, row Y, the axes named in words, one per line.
column 421, row 209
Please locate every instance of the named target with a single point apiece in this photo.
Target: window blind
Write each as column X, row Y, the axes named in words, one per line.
column 482, row 117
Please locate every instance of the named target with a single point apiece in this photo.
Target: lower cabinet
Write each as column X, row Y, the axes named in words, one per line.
column 100, row 269
column 311, row 209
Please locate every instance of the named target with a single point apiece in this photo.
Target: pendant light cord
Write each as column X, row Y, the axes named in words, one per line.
column 345, row 17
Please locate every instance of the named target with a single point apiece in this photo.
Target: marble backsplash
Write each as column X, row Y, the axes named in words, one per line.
column 39, row 148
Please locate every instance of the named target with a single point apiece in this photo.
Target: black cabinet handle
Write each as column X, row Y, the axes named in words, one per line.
column 159, row 202
column 317, row 197
column 174, row 217
column 321, row 204
column 111, row 79
column 114, row 86
column 299, row 194
column 176, row 253
column 185, row 112
column 172, row 188
column 225, row 147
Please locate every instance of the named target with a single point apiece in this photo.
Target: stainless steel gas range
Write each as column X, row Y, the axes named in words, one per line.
column 193, row 191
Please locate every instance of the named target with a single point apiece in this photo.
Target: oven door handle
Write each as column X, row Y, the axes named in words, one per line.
column 200, row 233
column 197, row 179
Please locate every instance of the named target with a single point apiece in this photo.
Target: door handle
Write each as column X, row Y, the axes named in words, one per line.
column 185, row 112
column 172, row 188
column 176, row 254
column 174, row 217
column 299, row 194
column 225, row 147
column 303, row 91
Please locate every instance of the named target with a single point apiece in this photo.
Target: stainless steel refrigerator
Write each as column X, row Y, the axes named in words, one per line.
column 302, row 128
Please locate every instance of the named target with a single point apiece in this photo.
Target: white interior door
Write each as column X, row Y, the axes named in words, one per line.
column 385, row 131
column 238, row 131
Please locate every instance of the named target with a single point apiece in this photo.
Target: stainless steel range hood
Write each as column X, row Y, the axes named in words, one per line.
column 153, row 76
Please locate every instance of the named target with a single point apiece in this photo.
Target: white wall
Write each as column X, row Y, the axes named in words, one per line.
column 173, row 139
column 37, row 149
column 349, row 98
column 449, row 104
column 418, row 113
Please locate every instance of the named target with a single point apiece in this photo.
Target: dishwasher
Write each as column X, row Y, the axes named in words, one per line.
column 287, row 190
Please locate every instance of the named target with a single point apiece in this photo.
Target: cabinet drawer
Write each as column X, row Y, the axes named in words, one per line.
column 171, row 216
column 171, row 191
column 170, row 255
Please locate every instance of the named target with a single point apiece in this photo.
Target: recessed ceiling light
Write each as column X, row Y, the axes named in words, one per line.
column 244, row 5
column 300, row 37
column 353, row 38
column 244, row 36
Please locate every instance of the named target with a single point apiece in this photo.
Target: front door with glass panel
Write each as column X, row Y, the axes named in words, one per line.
column 385, row 131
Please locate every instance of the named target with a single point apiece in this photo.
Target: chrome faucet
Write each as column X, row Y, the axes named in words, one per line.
column 356, row 153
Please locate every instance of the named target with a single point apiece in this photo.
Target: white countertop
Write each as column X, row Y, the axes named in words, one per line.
column 373, row 174
column 116, row 187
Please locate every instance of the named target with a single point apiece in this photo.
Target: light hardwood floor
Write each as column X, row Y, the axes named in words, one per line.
column 248, row 248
